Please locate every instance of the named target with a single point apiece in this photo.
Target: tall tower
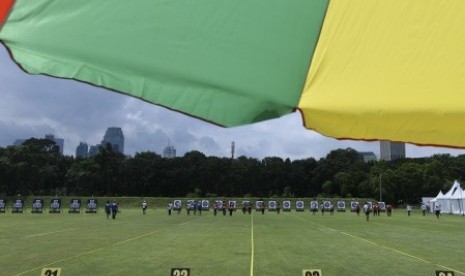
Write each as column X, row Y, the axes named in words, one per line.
column 391, row 150
column 82, row 150
column 233, row 148
column 114, row 136
column 169, row 152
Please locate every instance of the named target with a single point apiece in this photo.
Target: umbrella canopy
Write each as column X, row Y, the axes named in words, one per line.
column 369, row 70
column 227, row 62
column 389, row 70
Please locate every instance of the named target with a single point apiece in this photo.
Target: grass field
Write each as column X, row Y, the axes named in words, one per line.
column 269, row 244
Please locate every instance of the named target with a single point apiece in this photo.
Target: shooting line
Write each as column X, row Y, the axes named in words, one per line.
column 251, row 245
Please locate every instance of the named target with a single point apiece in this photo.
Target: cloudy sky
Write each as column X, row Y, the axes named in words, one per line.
column 32, row 106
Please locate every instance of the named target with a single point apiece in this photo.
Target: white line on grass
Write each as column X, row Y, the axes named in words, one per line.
column 460, row 272
column 251, row 246
column 383, row 246
column 88, row 252
column 138, row 237
column 95, row 250
column 62, row 260
column 47, row 233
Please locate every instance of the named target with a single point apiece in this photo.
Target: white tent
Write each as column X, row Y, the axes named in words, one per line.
column 452, row 202
column 432, row 202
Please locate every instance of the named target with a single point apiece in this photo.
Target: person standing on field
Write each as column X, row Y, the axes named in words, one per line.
column 367, row 210
column 199, row 207
column 357, row 209
column 409, row 209
column 423, row 209
column 144, row 207
column 114, row 209
column 389, row 210
column 224, row 208
column 231, row 208
column 215, row 208
column 108, row 209
column 170, row 208
column 437, row 210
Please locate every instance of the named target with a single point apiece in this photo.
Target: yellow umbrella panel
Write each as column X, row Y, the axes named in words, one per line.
column 389, row 70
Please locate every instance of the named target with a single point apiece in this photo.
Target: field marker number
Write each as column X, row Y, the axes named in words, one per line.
column 50, row 271
column 444, row 273
column 311, row 272
column 180, row 272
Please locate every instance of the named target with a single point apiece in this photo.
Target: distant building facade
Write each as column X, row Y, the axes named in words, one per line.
column 114, row 136
column 82, row 150
column 391, row 150
column 93, row 150
column 169, row 152
column 368, row 156
column 58, row 141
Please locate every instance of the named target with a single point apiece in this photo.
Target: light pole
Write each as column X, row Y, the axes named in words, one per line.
column 380, row 192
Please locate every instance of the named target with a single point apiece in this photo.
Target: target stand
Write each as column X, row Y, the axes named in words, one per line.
column 37, row 206
column 18, row 206
column 74, row 206
column 55, row 206
column 92, row 205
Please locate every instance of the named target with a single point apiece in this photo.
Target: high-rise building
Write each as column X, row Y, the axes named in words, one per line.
column 114, row 136
column 391, row 150
column 368, row 156
column 82, row 150
column 58, row 141
column 169, row 152
column 93, row 150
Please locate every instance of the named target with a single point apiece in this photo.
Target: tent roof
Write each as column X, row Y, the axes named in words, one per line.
column 455, row 191
column 439, row 196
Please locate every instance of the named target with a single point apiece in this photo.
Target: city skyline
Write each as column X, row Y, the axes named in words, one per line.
column 388, row 150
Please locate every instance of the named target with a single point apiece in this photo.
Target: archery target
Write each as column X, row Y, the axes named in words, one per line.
column 272, row 205
column 219, row 204
column 353, row 205
column 382, row 206
column 286, row 205
column 177, row 204
column 232, row 204
column 55, row 205
column 37, row 204
column 259, row 204
column 92, row 204
column 314, row 205
column 205, row 204
column 18, row 204
column 326, row 205
column 299, row 205
column 341, row 205
column 75, row 204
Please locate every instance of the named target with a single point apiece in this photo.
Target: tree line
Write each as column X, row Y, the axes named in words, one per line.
column 37, row 168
